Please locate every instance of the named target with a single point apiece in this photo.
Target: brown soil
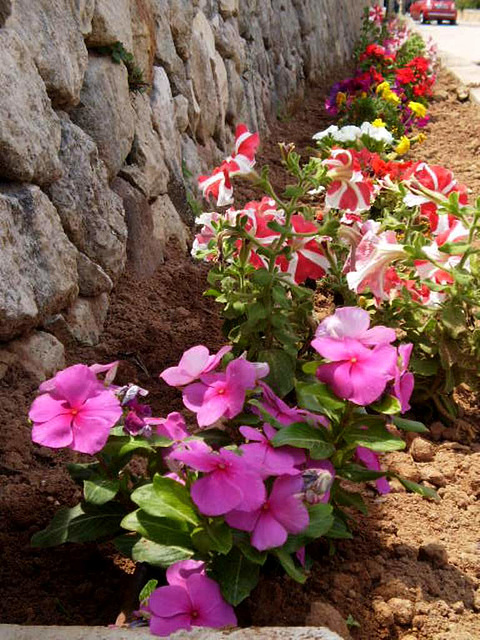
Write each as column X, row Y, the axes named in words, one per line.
column 391, row 585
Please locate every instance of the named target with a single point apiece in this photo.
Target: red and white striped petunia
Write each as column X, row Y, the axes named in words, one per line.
column 308, row 259
column 376, row 14
column 241, row 162
column 426, row 270
column 350, row 190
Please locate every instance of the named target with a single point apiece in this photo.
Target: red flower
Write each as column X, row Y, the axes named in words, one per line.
column 308, row 259
column 405, row 75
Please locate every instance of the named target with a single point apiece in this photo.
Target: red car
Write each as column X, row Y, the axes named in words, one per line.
column 439, row 10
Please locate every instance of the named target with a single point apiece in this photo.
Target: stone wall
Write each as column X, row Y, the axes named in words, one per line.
column 94, row 173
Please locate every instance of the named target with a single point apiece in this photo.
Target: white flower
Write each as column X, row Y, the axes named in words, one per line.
column 349, row 133
column 380, row 134
column 331, row 131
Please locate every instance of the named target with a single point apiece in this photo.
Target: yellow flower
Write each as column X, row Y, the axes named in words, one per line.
column 340, row 99
column 418, row 109
column 379, row 123
column 383, row 86
column 403, row 146
column 391, row 97
column 421, row 138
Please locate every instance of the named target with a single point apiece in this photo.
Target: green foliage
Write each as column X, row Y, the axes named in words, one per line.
column 119, row 54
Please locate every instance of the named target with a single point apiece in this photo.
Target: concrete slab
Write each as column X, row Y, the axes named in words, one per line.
column 18, row 632
column 475, row 95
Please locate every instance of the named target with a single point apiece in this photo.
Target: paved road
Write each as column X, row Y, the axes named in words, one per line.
column 460, row 42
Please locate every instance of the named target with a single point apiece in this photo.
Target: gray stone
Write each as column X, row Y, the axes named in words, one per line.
column 86, row 317
column 53, row 34
column 164, row 122
column 181, row 112
column 181, row 17
column 38, row 267
column 39, row 353
column 105, row 111
column 204, row 85
column 92, row 279
column 228, row 41
column 143, row 32
column 146, row 168
column 167, row 224
column 144, row 249
column 91, row 213
column 111, row 23
column 30, row 130
column 228, row 7
column 84, row 11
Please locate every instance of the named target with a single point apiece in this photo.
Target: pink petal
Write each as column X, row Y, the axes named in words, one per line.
column 199, row 456
column 379, row 335
column 193, row 396
column 253, row 490
column 45, row 408
column 249, row 433
column 241, row 373
column 169, row 601
column 164, row 627
column 243, row 520
column 191, row 365
column 76, row 384
column 268, row 533
column 178, row 573
column 336, row 350
column 337, row 376
column 214, row 360
column 215, row 406
column 55, row 433
column 351, row 322
column 368, row 384
column 173, row 427
column 208, row 601
column 90, row 433
column 216, row 494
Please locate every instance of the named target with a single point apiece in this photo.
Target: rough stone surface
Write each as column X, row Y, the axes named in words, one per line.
column 38, row 267
column 144, row 249
column 91, row 213
column 146, row 168
column 422, row 451
column 30, row 131
column 39, row 353
column 167, row 224
column 86, row 318
column 84, row 10
column 92, row 279
column 163, row 111
column 111, row 23
column 402, row 610
column 105, row 111
column 52, row 31
column 144, row 39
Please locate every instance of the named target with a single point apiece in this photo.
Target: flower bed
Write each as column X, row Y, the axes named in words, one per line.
column 308, row 421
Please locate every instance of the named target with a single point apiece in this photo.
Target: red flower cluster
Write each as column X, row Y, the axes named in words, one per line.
column 417, row 74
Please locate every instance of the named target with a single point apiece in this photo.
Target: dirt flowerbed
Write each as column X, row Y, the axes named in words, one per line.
column 412, row 571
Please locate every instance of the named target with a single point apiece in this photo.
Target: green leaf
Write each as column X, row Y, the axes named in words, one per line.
column 346, row 498
column 290, row 567
column 311, row 367
column 388, row 405
column 425, row 368
column 321, row 520
column 166, row 498
column 98, row 490
column 282, row 370
column 304, row 436
column 159, row 555
column 375, row 437
column 409, row 425
column 242, row 541
column 453, row 319
column 213, row 536
column 426, row 492
column 316, row 396
column 236, row 575
column 357, row 473
column 339, row 530
column 454, row 248
column 147, row 591
column 163, row 531
column 82, row 523
column 82, row 471
column 262, row 277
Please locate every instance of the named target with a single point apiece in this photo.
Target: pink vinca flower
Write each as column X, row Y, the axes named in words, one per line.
column 404, row 381
column 269, row 460
column 370, row 459
column 284, row 414
column 373, row 257
column 241, row 162
column 191, row 600
column 350, row 190
column 221, row 395
column 308, row 259
column 194, row 363
column 355, row 372
column 282, row 513
column 353, row 322
column 77, row 413
column 229, row 481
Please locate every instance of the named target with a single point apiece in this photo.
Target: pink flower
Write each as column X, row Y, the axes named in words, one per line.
column 308, row 259
column 353, row 322
column 428, row 270
column 220, row 395
column 350, row 190
column 376, row 14
column 267, row 459
column 282, row 513
column 355, row 372
column 78, row 412
column 173, row 427
column 240, row 162
column 372, row 258
column 284, row 414
column 194, row 363
column 370, row 459
column 191, row 600
column 404, row 381
column 229, row 481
